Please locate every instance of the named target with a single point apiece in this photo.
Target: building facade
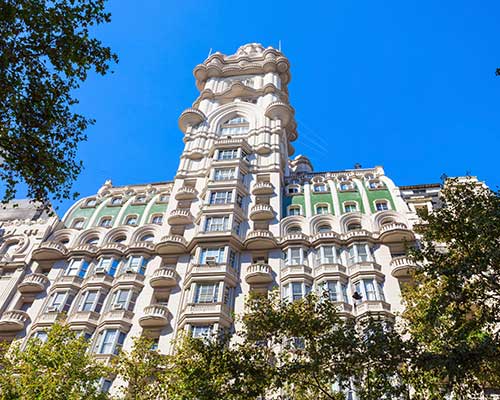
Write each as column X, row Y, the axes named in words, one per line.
column 242, row 214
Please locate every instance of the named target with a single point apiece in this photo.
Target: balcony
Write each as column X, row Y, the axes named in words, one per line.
column 129, row 278
column 357, row 234
column 396, row 232
column 365, row 268
column 260, row 239
column 262, row 188
column 259, row 274
column 171, row 244
column 117, row 315
column 372, row 307
column 84, row 318
column 261, row 212
column 180, row 216
column 49, row 251
column 68, row 281
column 190, row 117
column 329, row 269
column 163, row 278
column 88, row 250
column 295, row 238
column 112, row 248
column 99, row 280
column 212, row 272
column 207, row 313
column 326, row 237
column 13, row 321
column 186, row 193
column 401, row 267
column 155, row 316
column 141, row 247
column 33, row 283
column 296, row 271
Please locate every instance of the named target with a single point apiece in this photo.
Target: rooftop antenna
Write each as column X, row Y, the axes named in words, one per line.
column 209, row 52
column 279, row 45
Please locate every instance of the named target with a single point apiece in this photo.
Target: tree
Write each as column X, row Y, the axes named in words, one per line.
column 320, row 355
column 58, row 369
column 46, row 52
column 453, row 310
column 141, row 371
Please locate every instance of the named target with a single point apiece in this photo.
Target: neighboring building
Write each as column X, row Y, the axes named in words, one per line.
column 241, row 215
column 23, row 226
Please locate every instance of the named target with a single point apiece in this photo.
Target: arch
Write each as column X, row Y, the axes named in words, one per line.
column 88, row 234
column 293, row 220
column 355, row 217
column 384, row 217
column 224, row 112
column 113, row 234
column 63, row 234
column 294, row 229
column 139, row 233
column 323, row 219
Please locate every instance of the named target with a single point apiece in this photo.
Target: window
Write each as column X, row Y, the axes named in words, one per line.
column 381, row 205
column 322, row 209
column 164, row 198
column 60, row 301
column 350, row 207
column 359, row 253
column 328, row 255
column 215, row 255
column 375, row 184
column 140, row 199
column 201, row 331
column 320, row 188
column 120, row 239
column 157, row 219
column 136, row 264
column 324, row 228
column 92, row 300
column 336, row 290
column 77, row 267
column 294, row 210
column 131, row 220
column 91, row 203
column 294, row 229
column 216, row 224
column 294, row 256
column 93, row 240
column 106, row 385
column 227, row 154
column 123, row 299
column 370, row 290
column 147, row 237
column 296, row 290
column 224, row 174
column 224, row 197
column 234, row 126
column 116, row 201
column 78, row 223
column 206, row 293
column 293, row 189
column 107, row 265
column 110, row 341
column 42, row 336
column 346, row 186
column 106, row 222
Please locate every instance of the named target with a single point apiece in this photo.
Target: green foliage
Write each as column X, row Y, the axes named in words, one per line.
column 319, row 355
column 59, row 369
column 453, row 311
column 46, row 51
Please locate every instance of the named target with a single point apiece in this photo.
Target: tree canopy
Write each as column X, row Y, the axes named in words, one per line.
column 46, row 51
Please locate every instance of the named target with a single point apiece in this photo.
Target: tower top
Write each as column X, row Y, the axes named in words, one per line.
column 249, row 59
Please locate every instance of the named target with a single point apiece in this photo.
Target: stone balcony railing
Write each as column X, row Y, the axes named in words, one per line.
column 261, row 212
column 263, row 188
column 155, row 316
column 295, row 237
column 171, row 244
column 165, row 277
column 180, row 216
column 258, row 274
column 296, row 271
column 49, row 251
column 186, row 193
column 33, row 283
column 13, row 321
column 395, row 232
column 401, row 267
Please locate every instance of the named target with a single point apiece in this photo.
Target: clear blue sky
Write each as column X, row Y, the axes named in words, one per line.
column 409, row 85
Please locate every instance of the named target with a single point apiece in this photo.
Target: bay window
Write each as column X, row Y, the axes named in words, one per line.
column 337, row 291
column 221, row 197
column 357, row 253
column 77, row 267
column 217, row 224
column 212, row 255
column 227, row 154
column 295, row 290
column 92, row 300
column 206, row 293
column 136, row 264
column 295, row 256
column 201, row 331
column 124, row 299
column 370, row 290
column 328, row 255
column 224, row 174
column 60, row 301
column 108, row 265
column 110, row 341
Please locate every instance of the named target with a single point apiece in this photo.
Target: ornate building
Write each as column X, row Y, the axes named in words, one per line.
column 241, row 215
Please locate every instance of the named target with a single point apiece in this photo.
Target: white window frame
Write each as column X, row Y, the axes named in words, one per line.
column 350, row 203
column 114, row 344
column 224, row 174
column 322, row 205
column 129, row 217
column 219, row 253
column 295, row 255
column 201, row 331
column 292, row 207
column 237, row 125
column 337, row 290
column 96, row 304
column 346, row 186
column 136, row 264
column 380, row 202
column 375, row 292
column 228, row 154
column 325, row 257
column 295, row 290
column 123, row 303
column 318, row 185
column 221, row 197
column 75, row 267
column 359, row 252
column 219, row 223
column 206, row 293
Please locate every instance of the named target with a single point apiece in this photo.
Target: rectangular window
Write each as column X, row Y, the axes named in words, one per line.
column 295, row 256
column 224, row 174
column 89, row 299
column 224, row 197
column 60, row 302
column 124, row 299
column 111, row 341
column 296, row 290
column 206, row 293
column 136, row 264
column 108, row 264
column 329, row 255
column 370, row 290
column 201, row 331
column 215, row 255
column 216, row 224
column 362, row 253
column 77, row 267
column 228, row 154
column 333, row 293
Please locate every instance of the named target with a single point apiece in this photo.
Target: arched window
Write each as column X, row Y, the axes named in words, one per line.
column 353, row 226
column 387, row 221
column 375, row 184
column 294, row 229
column 322, row 209
column 294, row 210
column 147, row 237
column 120, row 239
column 131, row 220
column 320, row 188
column 293, row 189
column 234, row 126
column 324, row 228
column 345, row 186
column 93, row 240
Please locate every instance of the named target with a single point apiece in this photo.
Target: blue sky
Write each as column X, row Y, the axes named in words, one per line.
column 409, row 85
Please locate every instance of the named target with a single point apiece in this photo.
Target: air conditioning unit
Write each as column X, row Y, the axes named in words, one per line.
column 52, row 309
column 100, row 270
column 130, row 270
column 211, row 260
column 118, row 307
